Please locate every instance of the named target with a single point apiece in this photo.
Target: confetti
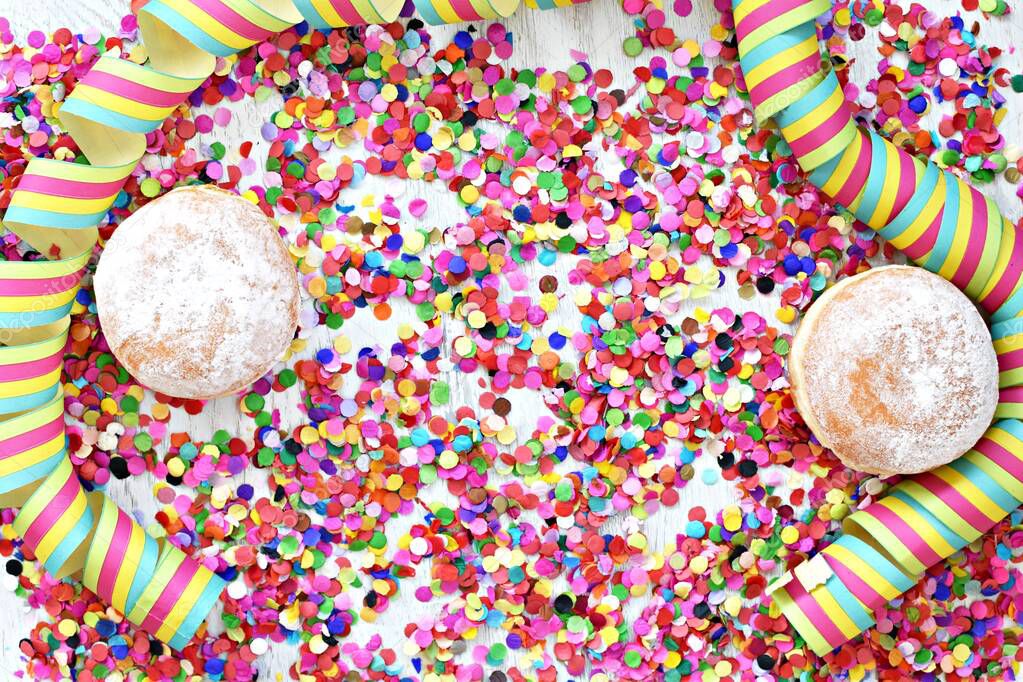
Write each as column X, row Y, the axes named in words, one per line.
column 652, row 195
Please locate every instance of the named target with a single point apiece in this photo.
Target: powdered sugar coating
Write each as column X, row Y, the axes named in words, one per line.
column 894, row 371
column 197, row 294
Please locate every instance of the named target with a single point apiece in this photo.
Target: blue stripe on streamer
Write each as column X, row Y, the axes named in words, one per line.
column 306, row 9
column 197, row 615
column 808, row 102
column 71, row 542
column 187, row 29
column 144, row 572
column 33, row 318
column 428, row 13
column 949, row 223
column 1013, row 426
column 877, row 561
column 823, row 172
column 1014, row 304
column 1001, row 330
column 921, row 195
column 62, row 221
column 20, row 403
column 775, row 44
column 31, row 474
column 852, row 607
column 951, row 537
column 999, row 495
column 876, row 177
column 113, row 119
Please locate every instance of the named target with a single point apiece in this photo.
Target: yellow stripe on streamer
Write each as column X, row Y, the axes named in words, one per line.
column 890, row 189
column 171, row 559
column 1003, row 262
column 39, row 453
column 814, row 639
column 10, row 389
column 743, row 9
column 26, row 347
column 43, row 270
column 1011, row 484
column 991, row 246
column 935, row 506
column 970, row 491
column 130, row 71
column 1007, row 441
column 385, row 13
column 961, row 238
column 769, row 67
column 838, row 616
column 784, row 20
column 22, row 304
column 923, row 220
column 181, row 610
column 221, row 32
column 863, row 570
column 869, row 529
column 62, row 515
column 844, row 169
column 44, row 202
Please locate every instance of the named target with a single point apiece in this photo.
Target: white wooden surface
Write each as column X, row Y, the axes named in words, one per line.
column 541, row 39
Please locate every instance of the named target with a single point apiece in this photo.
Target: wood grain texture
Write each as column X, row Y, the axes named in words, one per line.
column 541, row 39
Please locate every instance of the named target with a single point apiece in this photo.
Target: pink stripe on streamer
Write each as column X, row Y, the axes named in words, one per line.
column 112, row 561
column 975, row 244
column 1010, row 276
column 1011, row 395
column 922, row 246
column 465, row 10
column 857, row 180
column 862, row 590
column 791, row 75
column 74, row 189
column 56, row 507
column 41, row 287
column 822, row 134
column 234, row 21
column 347, row 12
column 1000, row 456
column 764, row 14
column 31, row 369
column 907, row 186
column 955, row 500
column 904, row 532
column 814, row 613
column 117, row 85
column 26, row 441
column 169, row 597
column 1010, row 360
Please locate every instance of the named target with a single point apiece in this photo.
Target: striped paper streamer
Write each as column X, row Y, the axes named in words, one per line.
column 949, row 228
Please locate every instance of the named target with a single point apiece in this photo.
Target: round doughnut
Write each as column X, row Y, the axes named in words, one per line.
column 894, row 371
column 196, row 292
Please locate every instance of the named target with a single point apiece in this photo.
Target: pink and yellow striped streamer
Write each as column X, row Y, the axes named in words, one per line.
column 55, row 209
column 947, row 227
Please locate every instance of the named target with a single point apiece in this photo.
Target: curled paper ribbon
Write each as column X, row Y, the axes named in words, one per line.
column 338, row 13
column 55, row 209
column 943, row 225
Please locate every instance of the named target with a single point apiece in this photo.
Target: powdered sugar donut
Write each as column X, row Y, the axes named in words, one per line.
column 894, row 371
column 196, row 292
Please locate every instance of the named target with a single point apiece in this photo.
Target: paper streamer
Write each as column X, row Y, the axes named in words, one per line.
column 55, row 209
column 943, row 225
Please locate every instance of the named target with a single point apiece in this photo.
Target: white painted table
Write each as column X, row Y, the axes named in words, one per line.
column 541, row 39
